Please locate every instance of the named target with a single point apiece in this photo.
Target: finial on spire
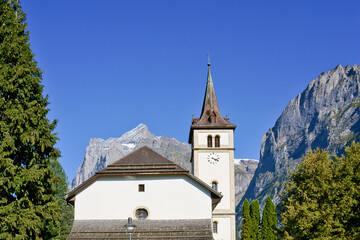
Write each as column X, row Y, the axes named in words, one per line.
column 208, row 55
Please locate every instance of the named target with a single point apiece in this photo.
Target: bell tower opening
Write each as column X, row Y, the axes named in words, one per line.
column 209, row 141
column 217, row 141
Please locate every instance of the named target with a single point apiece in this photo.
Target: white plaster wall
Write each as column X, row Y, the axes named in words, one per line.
column 219, row 172
column 166, row 197
column 224, row 224
column 224, row 138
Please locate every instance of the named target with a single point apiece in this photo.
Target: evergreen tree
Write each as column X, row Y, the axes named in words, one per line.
column 322, row 197
column 247, row 223
column 269, row 221
column 28, row 205
column 67, row 210
column 255, row 216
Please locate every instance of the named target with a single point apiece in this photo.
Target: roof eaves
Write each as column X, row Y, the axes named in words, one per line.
column 215, row 195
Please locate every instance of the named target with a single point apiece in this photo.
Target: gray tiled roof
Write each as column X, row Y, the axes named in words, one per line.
column 145, row 229
column 143, row 160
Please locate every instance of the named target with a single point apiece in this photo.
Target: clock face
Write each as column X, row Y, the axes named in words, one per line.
column 213, row 158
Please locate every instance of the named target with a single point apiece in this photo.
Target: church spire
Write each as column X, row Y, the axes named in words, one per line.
column 210, row 113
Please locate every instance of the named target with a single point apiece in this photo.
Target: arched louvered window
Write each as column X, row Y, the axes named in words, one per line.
column 209, row 139
column 214, row 185
column 217, row 141
column 215, row 227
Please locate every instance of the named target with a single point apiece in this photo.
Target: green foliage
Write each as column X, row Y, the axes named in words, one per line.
column 28, row 205
column 255, row 216
column 348, row 175
column 67, row 210
column 269, row 221
column 322, row 197
column 247, row 223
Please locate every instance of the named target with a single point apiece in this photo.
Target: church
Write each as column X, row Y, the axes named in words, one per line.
column 146, row 196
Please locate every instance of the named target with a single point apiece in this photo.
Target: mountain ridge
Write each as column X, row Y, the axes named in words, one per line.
column 325, row 115
column 99, row 152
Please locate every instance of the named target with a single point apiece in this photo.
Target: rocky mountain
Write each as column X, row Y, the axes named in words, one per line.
column 99, row 153
column 244, row 172
column 325, row 115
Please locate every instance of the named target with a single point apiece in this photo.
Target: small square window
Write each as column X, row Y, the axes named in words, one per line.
column 141, row 187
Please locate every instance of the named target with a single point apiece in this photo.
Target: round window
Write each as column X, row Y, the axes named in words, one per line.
column 141, row 213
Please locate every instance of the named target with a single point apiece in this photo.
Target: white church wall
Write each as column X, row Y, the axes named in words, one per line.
column 224, row 224
column 165, row 197
column 207, row 172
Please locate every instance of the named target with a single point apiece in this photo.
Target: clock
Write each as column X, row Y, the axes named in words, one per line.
column 213, row 158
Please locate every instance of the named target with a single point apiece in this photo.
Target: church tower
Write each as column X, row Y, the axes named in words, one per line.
column 212, row 141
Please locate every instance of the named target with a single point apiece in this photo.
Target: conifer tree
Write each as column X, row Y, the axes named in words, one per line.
column 255, row 216
column 247, row 223
column 269, row 221
column 28, row 205
column 67, row 210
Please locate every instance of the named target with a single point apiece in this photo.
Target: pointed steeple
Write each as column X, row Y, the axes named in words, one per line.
column 210, row 113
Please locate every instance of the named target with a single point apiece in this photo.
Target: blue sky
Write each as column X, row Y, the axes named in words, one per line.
column 111, row 65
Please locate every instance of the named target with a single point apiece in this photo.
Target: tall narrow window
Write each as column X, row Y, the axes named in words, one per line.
column 215, row 227
column 209, row 141
column 214, row 185
column 217, row 141
column 141, row 187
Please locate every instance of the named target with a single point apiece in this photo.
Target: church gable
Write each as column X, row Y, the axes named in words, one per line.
column 142, row 162
column 144, row 178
